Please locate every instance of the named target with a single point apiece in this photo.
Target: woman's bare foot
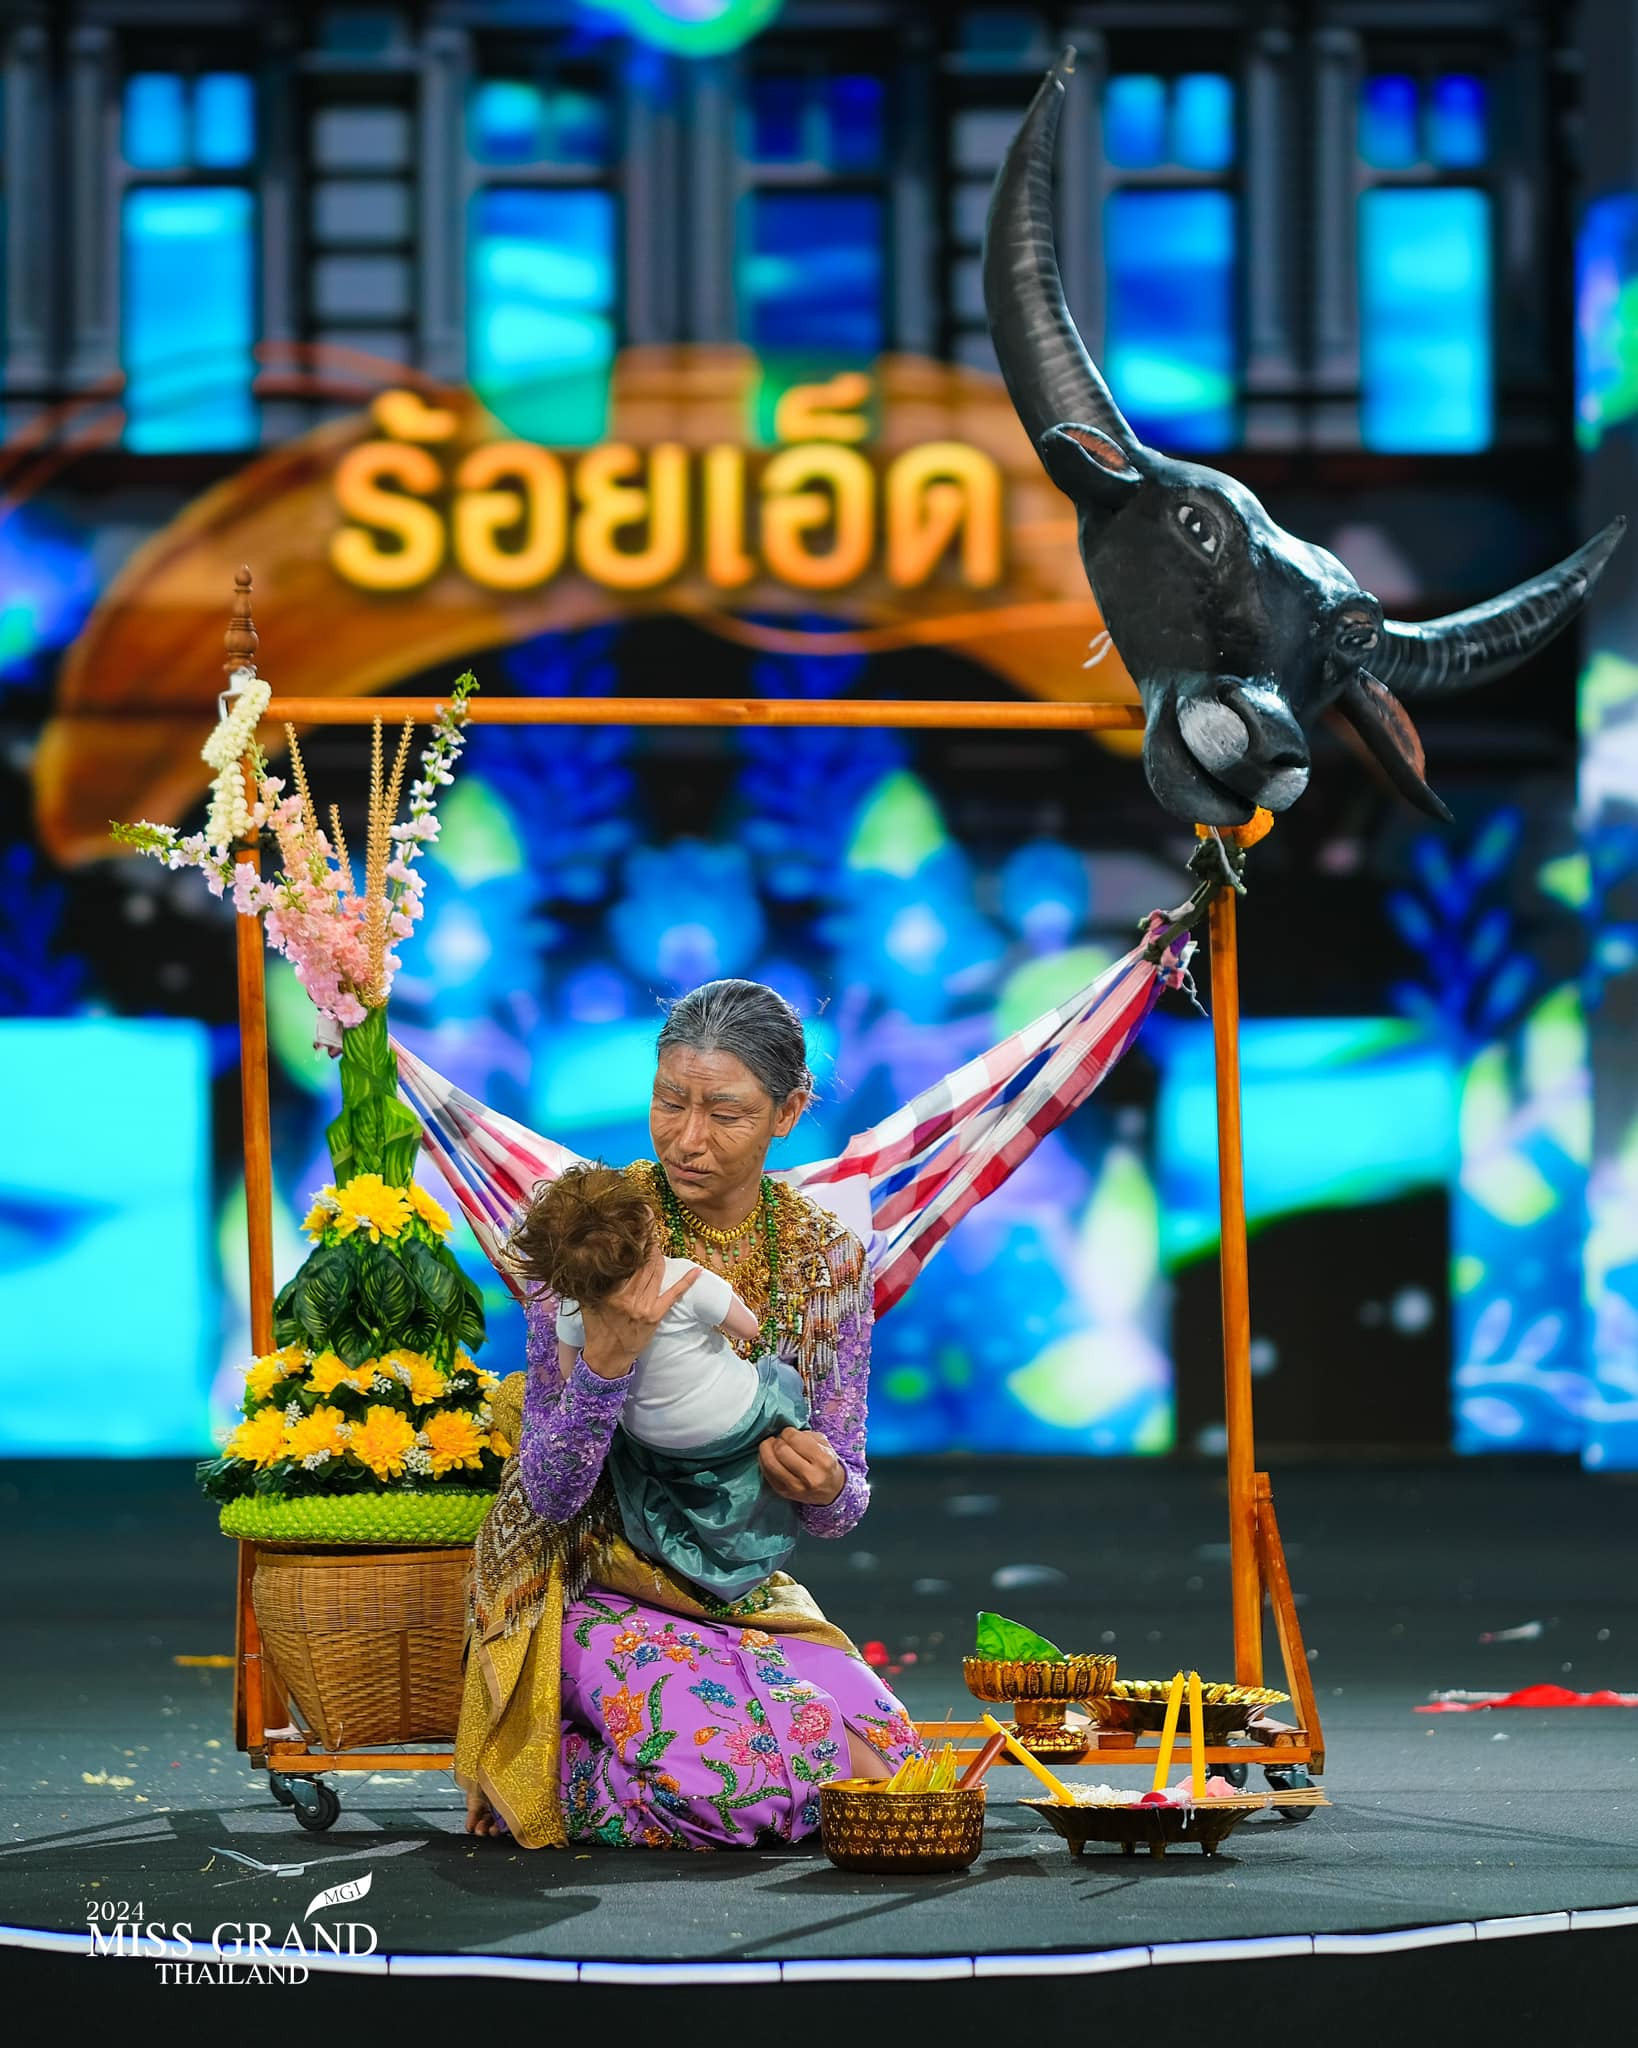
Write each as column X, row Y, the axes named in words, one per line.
column 480, row 1816
column 863, row 1761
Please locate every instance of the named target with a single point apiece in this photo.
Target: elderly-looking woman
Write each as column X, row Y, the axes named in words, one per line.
column 607, row 1698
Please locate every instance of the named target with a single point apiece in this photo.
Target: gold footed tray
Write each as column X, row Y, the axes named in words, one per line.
column 1040, row 1690
column 1158, row 1828
column 891, row 1834
column 1139, row 1706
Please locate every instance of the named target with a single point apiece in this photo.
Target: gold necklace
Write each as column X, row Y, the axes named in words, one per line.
column 705, row 1232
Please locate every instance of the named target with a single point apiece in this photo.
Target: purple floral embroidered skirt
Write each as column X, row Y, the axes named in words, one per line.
column 684, row 1734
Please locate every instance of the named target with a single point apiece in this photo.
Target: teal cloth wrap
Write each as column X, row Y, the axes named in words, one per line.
column 706, row 1512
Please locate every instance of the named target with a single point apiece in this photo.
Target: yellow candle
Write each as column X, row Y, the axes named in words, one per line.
column 1197, row 1739
column 1168, row 1734
column 1059, row 1790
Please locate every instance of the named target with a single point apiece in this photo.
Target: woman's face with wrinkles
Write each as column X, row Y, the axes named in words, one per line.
column 712, row 1122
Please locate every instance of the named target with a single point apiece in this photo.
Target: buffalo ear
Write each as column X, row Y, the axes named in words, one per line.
column 1089, row 465
column 1384, row 724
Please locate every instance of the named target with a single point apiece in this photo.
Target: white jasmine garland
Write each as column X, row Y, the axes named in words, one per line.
column 418, row 1459
column 230, row 817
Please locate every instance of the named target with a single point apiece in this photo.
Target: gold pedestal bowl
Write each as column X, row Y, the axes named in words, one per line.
column 1040, row 1694
column 895, row 1833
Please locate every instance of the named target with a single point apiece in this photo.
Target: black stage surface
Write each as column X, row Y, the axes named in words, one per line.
column 121, row 1780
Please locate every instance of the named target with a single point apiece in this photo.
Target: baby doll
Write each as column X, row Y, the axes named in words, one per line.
column 683, row 1460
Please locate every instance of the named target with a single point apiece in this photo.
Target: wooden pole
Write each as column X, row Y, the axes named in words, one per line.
column 241, row 642
column 938, row 716
column 1236, row 1291
column 249, row 1700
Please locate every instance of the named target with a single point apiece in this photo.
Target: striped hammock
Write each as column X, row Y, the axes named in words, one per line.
column 904, row 1184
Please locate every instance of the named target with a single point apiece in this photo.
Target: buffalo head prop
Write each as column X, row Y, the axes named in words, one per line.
column 1238, row 634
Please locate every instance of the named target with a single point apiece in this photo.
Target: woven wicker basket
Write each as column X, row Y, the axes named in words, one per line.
column 366, row 1642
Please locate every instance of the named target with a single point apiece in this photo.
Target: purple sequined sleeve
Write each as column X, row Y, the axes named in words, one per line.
column 567, row 1423
column 839, row 1416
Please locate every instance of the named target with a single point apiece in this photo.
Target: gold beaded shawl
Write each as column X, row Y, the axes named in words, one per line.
column 525, row 1570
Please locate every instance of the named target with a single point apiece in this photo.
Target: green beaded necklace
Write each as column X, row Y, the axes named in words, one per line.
column 677, row 1236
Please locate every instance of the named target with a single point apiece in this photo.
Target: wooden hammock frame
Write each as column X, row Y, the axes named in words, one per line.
column 1257, row 1566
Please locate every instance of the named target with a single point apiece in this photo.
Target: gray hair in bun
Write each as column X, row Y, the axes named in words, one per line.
column 752, row 1022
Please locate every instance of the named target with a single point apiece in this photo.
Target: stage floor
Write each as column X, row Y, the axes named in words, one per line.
column 121, row 1782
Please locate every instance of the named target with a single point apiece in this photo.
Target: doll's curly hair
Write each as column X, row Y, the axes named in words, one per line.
column 584, row 1234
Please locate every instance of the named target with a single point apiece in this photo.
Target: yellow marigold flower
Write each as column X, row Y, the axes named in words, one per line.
column 322, row 1214
column 317, row 1434
column 499, row 1444
column 425, row 1382
column 464, row 1363
column 262, row 1377
column 381, row 1440
column 453, row 1439
column 367, row 1203
column 259, row 1440
column 432, row 1213
column 327, row 1372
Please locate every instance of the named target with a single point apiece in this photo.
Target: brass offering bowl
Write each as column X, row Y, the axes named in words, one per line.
column 1039, row 1691
column 1158, row 1828
column 890, row 1834
column 1139, row 1705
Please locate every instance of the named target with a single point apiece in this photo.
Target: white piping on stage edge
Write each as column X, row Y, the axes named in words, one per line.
column 911, row 1969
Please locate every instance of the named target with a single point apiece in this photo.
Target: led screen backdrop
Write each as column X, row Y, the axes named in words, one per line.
column 611, row 358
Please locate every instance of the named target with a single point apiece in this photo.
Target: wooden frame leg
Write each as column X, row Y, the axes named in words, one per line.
column 1236, row 1295
column 1272, row 1569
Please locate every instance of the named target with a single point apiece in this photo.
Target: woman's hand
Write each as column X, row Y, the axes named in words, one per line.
column 800, row 1465
column 625, row 1323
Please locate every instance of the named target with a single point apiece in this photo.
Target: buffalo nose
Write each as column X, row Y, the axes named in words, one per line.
column 1246, row 735
column 1275, row 770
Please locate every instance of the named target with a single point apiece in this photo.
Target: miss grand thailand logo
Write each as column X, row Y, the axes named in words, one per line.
column 233, row 1951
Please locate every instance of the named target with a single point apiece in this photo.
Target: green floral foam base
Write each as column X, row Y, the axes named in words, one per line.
column 411, row 1518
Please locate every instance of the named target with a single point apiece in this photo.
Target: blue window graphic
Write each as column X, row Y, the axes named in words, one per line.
column 1149, row 121
column 1457, row 122
column 541, row 310
column 155, row 133
column 170, row 124
column 1171, row 346
column 514, row 121
column 839, row 122
column 189, row 319
column 1389, row 123
column 1425, row 320
column 104, row 1185
column 1405, row 121
column 812, row 273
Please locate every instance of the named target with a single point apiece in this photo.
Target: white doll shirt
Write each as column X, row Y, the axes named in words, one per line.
column 691, row 1384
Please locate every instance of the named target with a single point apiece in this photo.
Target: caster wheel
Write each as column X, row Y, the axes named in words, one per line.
column 1294, row 1778
column 279, row 1785
column 1236, row 1774
column 316, row 1806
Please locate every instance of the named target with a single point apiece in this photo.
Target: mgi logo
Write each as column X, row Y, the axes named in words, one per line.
column 234, row 1951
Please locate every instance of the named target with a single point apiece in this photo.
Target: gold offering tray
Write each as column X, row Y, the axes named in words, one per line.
column 1158, row 1828
column 1139, row 1705
column 1040, row 1690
